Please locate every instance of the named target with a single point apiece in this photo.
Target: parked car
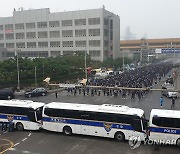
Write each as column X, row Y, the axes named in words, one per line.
column 6, row 93
column 36, row 92
column 169, row 93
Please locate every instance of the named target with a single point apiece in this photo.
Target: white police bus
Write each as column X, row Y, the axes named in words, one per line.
column 25, row 114
column 113, row 121
column 164, row 126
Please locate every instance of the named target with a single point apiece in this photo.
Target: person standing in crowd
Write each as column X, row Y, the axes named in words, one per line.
column 79, row 90
column 161, row 101
column 123, row 94
column 56, row 94
column 173, row 102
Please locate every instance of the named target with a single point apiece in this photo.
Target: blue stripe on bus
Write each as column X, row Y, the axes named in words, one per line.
column 164, row 130
column 15, row 117
column 88, row 123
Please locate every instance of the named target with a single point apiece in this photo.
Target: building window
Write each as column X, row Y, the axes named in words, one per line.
column 94, row 43
column 30, row 35
column 94, row 32
column 1, row 27
column 9, row 45
column 53, row 23
column 67, row 43
column 1, row 36
column 19, row 26
column 94, row 21
column 42, row 44
column 54, row 34
column 106, row 53
column 1, row 45
column 33, row 54
column 20, row 44
column 66, row 23
column 105, row 43
column 55, row 44
column 80, row 33
column 30, row 25
column 68, row 52
column 111, row 24
column 20, row 36
column 111, row 35
column 55, row 53
column 9, row 36
column 106, row 21
column 42, row 24
column 67, row 33
column 105, row 32
column 9, row 27
column 80, row 22
column 95, row 53
column 43, row 34
column 31, row 44
column 80, row 43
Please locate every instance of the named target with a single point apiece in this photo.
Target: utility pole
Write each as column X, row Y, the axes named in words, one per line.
column 123, row 60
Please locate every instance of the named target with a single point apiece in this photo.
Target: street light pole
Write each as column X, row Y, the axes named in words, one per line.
column 17, row 63
column 35, row 76
column 85, row 65
column 123, row 60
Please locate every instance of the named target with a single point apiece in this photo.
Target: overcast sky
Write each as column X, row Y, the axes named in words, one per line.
column 154, row 18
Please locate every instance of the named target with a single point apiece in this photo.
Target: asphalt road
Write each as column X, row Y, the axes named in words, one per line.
column 44, row 142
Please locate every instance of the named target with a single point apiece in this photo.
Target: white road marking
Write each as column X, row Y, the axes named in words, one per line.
column 29, row 134
column 24, row 139
column 16, row 144
column 26, row 152
column 12, row 149
column 5, row 132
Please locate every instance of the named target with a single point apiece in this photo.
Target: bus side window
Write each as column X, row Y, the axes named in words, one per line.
column 48, row 111
column 157, row 121
column 136, row 124
column 88, row 115
column 178, row 123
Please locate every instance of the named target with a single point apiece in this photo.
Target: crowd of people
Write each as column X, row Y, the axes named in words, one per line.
column 143, row 77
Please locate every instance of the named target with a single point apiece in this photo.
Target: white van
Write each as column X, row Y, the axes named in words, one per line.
column 169, row 93
column 164, row 126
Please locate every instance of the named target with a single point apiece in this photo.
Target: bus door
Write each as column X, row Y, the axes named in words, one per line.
column 137, row 127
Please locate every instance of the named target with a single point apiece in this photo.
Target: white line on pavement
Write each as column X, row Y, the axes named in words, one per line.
column 16, row 144
column 24, row 139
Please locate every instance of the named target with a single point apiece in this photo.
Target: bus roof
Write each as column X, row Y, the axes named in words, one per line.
column 165, row 113
column 21, row 103
column 108, row 108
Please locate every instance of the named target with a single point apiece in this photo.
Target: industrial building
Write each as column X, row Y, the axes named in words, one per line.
column 39, row 33
column 147, row 49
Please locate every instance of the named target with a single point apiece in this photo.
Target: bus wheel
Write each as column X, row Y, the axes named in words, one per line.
column 67, row 130
column 19, row 126
column 119, row 136
column 178, row 142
